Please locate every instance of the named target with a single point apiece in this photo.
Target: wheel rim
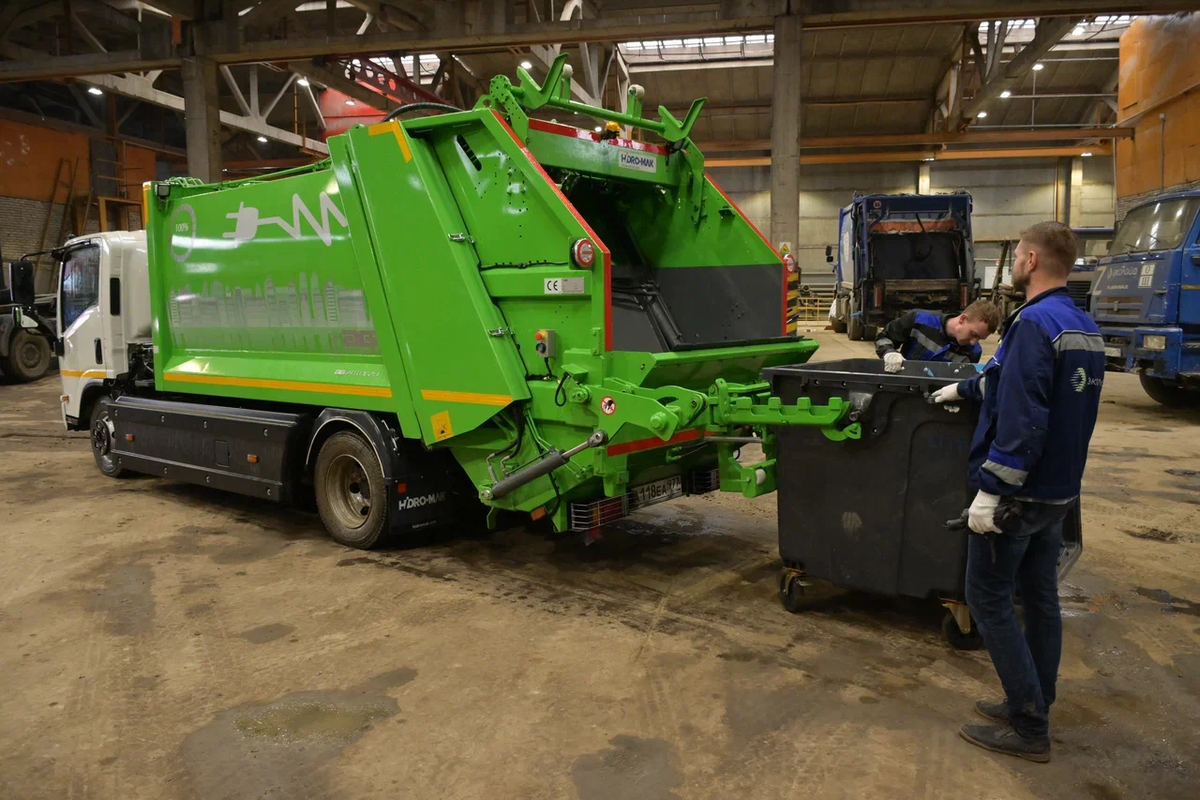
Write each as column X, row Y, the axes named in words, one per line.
column 102, row 442
column 348, row 491
column 30, row 355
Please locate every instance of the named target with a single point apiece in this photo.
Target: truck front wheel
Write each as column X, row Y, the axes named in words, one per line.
column 351, row 493
column 102, row 439
column 28, row 356
column 1171, row 395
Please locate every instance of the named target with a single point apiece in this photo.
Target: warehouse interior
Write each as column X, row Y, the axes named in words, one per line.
column 168, row 639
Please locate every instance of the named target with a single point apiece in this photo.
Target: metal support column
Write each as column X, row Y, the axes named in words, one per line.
column 1075, row 207
column 203, row 118
column 785, row 132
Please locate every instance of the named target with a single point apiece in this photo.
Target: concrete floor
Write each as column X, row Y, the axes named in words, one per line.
column 159, row 640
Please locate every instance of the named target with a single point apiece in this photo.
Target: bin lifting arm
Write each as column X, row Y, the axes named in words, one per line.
column 733, row 404
column 555, row 92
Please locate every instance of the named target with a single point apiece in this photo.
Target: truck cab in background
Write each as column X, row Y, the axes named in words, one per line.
column 900, row 252
column 1146, row 298
column 104, row 305
column 1094, row 243
column 27, row 323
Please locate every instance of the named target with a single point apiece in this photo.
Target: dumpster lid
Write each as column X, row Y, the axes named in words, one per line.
column 923, row 376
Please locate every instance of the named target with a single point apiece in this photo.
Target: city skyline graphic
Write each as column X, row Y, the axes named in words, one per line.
column 302, row 315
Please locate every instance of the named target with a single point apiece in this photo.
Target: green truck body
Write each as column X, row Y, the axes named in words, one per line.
column 568, row 315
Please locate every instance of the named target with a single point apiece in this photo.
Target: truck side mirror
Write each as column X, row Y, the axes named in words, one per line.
column 828, row 254
column 21, row 277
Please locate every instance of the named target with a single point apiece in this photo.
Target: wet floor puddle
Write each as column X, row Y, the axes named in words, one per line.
column 298, row 719
column 1172, row 604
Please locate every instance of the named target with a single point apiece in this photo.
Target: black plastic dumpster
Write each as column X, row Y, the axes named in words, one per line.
column 871, row 513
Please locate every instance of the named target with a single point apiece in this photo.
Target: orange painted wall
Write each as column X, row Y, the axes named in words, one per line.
column 1160, row 74
column 29, row 156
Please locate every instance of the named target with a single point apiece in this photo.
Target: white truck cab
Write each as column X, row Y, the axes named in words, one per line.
column 104, row 308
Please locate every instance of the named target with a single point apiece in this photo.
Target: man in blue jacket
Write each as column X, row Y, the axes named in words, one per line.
column 1040, row 395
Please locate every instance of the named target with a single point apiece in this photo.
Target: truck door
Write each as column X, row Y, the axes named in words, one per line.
column 845, row 245
column 80, row 327
column 1189, row 279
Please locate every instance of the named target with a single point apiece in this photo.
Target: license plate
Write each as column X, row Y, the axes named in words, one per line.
column 1112, row 352
column 656, row 492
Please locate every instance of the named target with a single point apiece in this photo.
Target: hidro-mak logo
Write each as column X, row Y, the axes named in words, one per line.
column 248, row 221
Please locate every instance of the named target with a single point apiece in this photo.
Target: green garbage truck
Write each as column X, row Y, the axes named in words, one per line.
column 470, row 311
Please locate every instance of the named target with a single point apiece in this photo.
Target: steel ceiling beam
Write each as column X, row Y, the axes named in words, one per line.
column 1010, row 75
column 916, row 155
column 909, row 139
column 461, row 38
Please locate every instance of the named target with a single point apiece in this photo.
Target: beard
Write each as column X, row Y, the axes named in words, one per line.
column 1020, row 282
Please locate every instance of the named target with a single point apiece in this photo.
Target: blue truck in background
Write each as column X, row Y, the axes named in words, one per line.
column 898, row 252
column 1146, row 298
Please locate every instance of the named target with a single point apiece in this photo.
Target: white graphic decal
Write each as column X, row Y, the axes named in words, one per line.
column 248, row 221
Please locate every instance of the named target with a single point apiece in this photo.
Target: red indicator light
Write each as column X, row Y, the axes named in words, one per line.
column 584, row 253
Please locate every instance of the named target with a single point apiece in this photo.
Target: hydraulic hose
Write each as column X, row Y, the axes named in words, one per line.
column 442, row 107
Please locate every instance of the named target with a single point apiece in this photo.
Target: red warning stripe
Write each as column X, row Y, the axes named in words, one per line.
column 637, row 445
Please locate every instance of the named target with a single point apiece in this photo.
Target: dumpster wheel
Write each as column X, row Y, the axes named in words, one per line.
column 791, row 589
column 955, row 636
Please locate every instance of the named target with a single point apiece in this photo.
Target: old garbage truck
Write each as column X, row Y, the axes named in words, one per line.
column 1146, row 298
column 899, row 252
column 467, row 311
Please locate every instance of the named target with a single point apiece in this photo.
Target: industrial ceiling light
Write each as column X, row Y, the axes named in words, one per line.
column 981, row 114
column 94, row 90
column 262, row 139
column 527, row 64
column 1038, row 67
column 349, row 102
column 1086, row 153
column 1006, row 94
column 598, row 129
column 928, row 159
column 303, row 81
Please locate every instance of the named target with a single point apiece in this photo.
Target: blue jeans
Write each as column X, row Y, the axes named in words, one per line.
column 1027, row 662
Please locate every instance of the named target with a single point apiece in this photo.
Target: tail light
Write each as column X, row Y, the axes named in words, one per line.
column 584, row 253
column 879, row 295
column 965, row 293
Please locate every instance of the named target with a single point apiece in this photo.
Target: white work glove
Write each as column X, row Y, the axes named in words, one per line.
column 982, row 515
column 947, row 394
column 892, row 362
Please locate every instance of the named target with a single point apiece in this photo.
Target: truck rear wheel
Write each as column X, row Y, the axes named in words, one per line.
column 1169, row 394
column 101, row 427
column 854, row 329
column 28, row 356
column 350, row 491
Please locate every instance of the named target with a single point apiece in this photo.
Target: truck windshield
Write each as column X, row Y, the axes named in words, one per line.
column 1156, row 226
column 80, row 283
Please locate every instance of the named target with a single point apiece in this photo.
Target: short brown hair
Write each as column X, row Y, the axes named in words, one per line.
column 1055, row 240
column 984, row 311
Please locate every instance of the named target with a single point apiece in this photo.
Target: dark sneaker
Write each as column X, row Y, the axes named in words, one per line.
column 996, row 712
column 1003, row 739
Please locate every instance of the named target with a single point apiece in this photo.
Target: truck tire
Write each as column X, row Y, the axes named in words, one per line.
column 101, row 428
column 1169, row 394
column 28, row 356
column 855, row 329
column 350, row 491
